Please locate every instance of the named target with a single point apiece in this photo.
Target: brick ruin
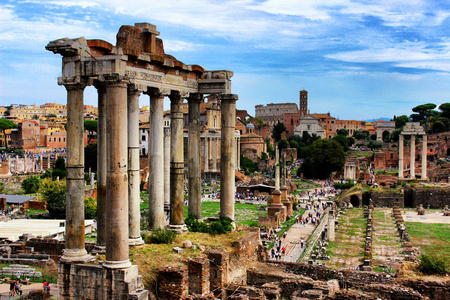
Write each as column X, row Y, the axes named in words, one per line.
column 215, row 277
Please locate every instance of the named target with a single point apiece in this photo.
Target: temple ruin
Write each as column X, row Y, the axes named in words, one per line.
column 136, row 64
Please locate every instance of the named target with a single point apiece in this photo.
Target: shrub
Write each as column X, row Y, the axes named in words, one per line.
column 434, row 264
column 55, row 194
column 31, row 184
column 90, row 208
column 162, row 236
column 221, row 226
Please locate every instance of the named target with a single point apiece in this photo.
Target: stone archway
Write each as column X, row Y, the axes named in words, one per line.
column 385, row 135
column 355, row 201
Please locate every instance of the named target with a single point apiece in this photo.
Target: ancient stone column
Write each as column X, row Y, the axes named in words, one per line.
column 75, row 241
column 330, row 228
column 25, row 163
column 227, row 157
column 277, row 169
column 176, row 162
column 41, row 166
column 156, row 159
column 17, row 163
column 413, row 157
column 424, row 156
column 214, row 154
column 239, row 154
column 101, row 169
column 33, row 166
column 117, row 248
column 194, row 160
column 400, row 157
column 206, row 154
column 166, row 164
column 48, row 158
column 134, row 201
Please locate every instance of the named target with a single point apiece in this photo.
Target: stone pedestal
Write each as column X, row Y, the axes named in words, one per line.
column 284, row 192
column 227, row 157
column 288, row 204
column 92, row 281
column 277, row 207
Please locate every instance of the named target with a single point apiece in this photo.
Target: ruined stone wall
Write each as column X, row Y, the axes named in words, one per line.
column 245, row 251
column 433, row 197
column 387, row 199
column 52, row 247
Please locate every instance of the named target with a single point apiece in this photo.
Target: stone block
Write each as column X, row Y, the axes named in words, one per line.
column 177, row 249
column 199, row 280
column 313, row 294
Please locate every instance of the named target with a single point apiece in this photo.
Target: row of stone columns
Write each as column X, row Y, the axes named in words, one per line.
column 118, row 166
column 412, row 157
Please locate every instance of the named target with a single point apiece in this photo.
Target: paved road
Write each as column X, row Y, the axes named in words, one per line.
column 4, row 290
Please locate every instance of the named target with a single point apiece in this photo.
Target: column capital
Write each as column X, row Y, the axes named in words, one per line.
column 136, row 89
column 195, row 97
column 178, row 95
column 74, row 83
column 157, row 92
column 115, row 79
column 100, row 86
column 228, row 97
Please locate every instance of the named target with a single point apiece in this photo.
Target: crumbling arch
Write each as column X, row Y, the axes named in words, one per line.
column 355, row 201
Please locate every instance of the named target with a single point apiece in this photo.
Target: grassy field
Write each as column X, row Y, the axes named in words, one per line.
column 348, row 248
column 48, row 273
column 432, row 238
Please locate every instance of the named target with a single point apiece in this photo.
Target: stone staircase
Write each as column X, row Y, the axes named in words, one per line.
column 23, row 270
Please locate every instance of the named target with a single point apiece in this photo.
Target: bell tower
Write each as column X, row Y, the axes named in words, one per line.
column 303, row 103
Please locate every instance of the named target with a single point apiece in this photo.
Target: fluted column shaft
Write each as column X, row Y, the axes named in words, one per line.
column 75, row 241
column 424, row 156
column 194, row 189
column 413, row 157
column 134, row 214
column 227, row 157
column 400, row 157
column 156, row 160
column 176, row 160
column 101, row 166
column 117, row 248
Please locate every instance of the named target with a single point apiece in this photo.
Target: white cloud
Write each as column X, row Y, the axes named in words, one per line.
column 176, row 46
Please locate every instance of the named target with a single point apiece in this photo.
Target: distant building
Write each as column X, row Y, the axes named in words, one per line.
column 328, row 123
column 311, row 125
column 303, row 103
column 274, row 112
column 350, row 125
column 252, row 144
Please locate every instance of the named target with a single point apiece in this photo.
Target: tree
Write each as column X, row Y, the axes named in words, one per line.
column 50, row 116
column 90, row 208
column 248, row 165
column 4, row 125
column 342, row 140
column 375, row 145
column 278, row 129
column 91, row 126
column 327, row 156
column 361, row 135
column 445, row 109
column 55, row 194
column 7, row 111
column 35, row 117
column 90, row 157
column 31, row 184
column 270, row 149
column 400, row 121
column 282, row 144
column 343, row 132
column 259, row 120
column 424, row 111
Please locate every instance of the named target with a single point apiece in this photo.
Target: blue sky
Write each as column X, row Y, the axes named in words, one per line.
column 357, row 59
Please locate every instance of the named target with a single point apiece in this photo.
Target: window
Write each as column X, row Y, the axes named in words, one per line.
column 143, row 137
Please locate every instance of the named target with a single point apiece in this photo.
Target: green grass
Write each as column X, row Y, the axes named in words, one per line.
column 432, row 238
column 244, row 213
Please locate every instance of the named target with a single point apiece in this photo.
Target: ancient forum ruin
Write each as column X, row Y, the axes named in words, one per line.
column 136, row 64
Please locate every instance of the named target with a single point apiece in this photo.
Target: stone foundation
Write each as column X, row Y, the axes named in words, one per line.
column 93, row 281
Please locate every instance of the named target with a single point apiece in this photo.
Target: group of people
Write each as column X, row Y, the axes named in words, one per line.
column 280, row 250
column 15, row 288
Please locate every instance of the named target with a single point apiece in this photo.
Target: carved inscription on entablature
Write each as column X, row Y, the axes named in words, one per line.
column 144, row 76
